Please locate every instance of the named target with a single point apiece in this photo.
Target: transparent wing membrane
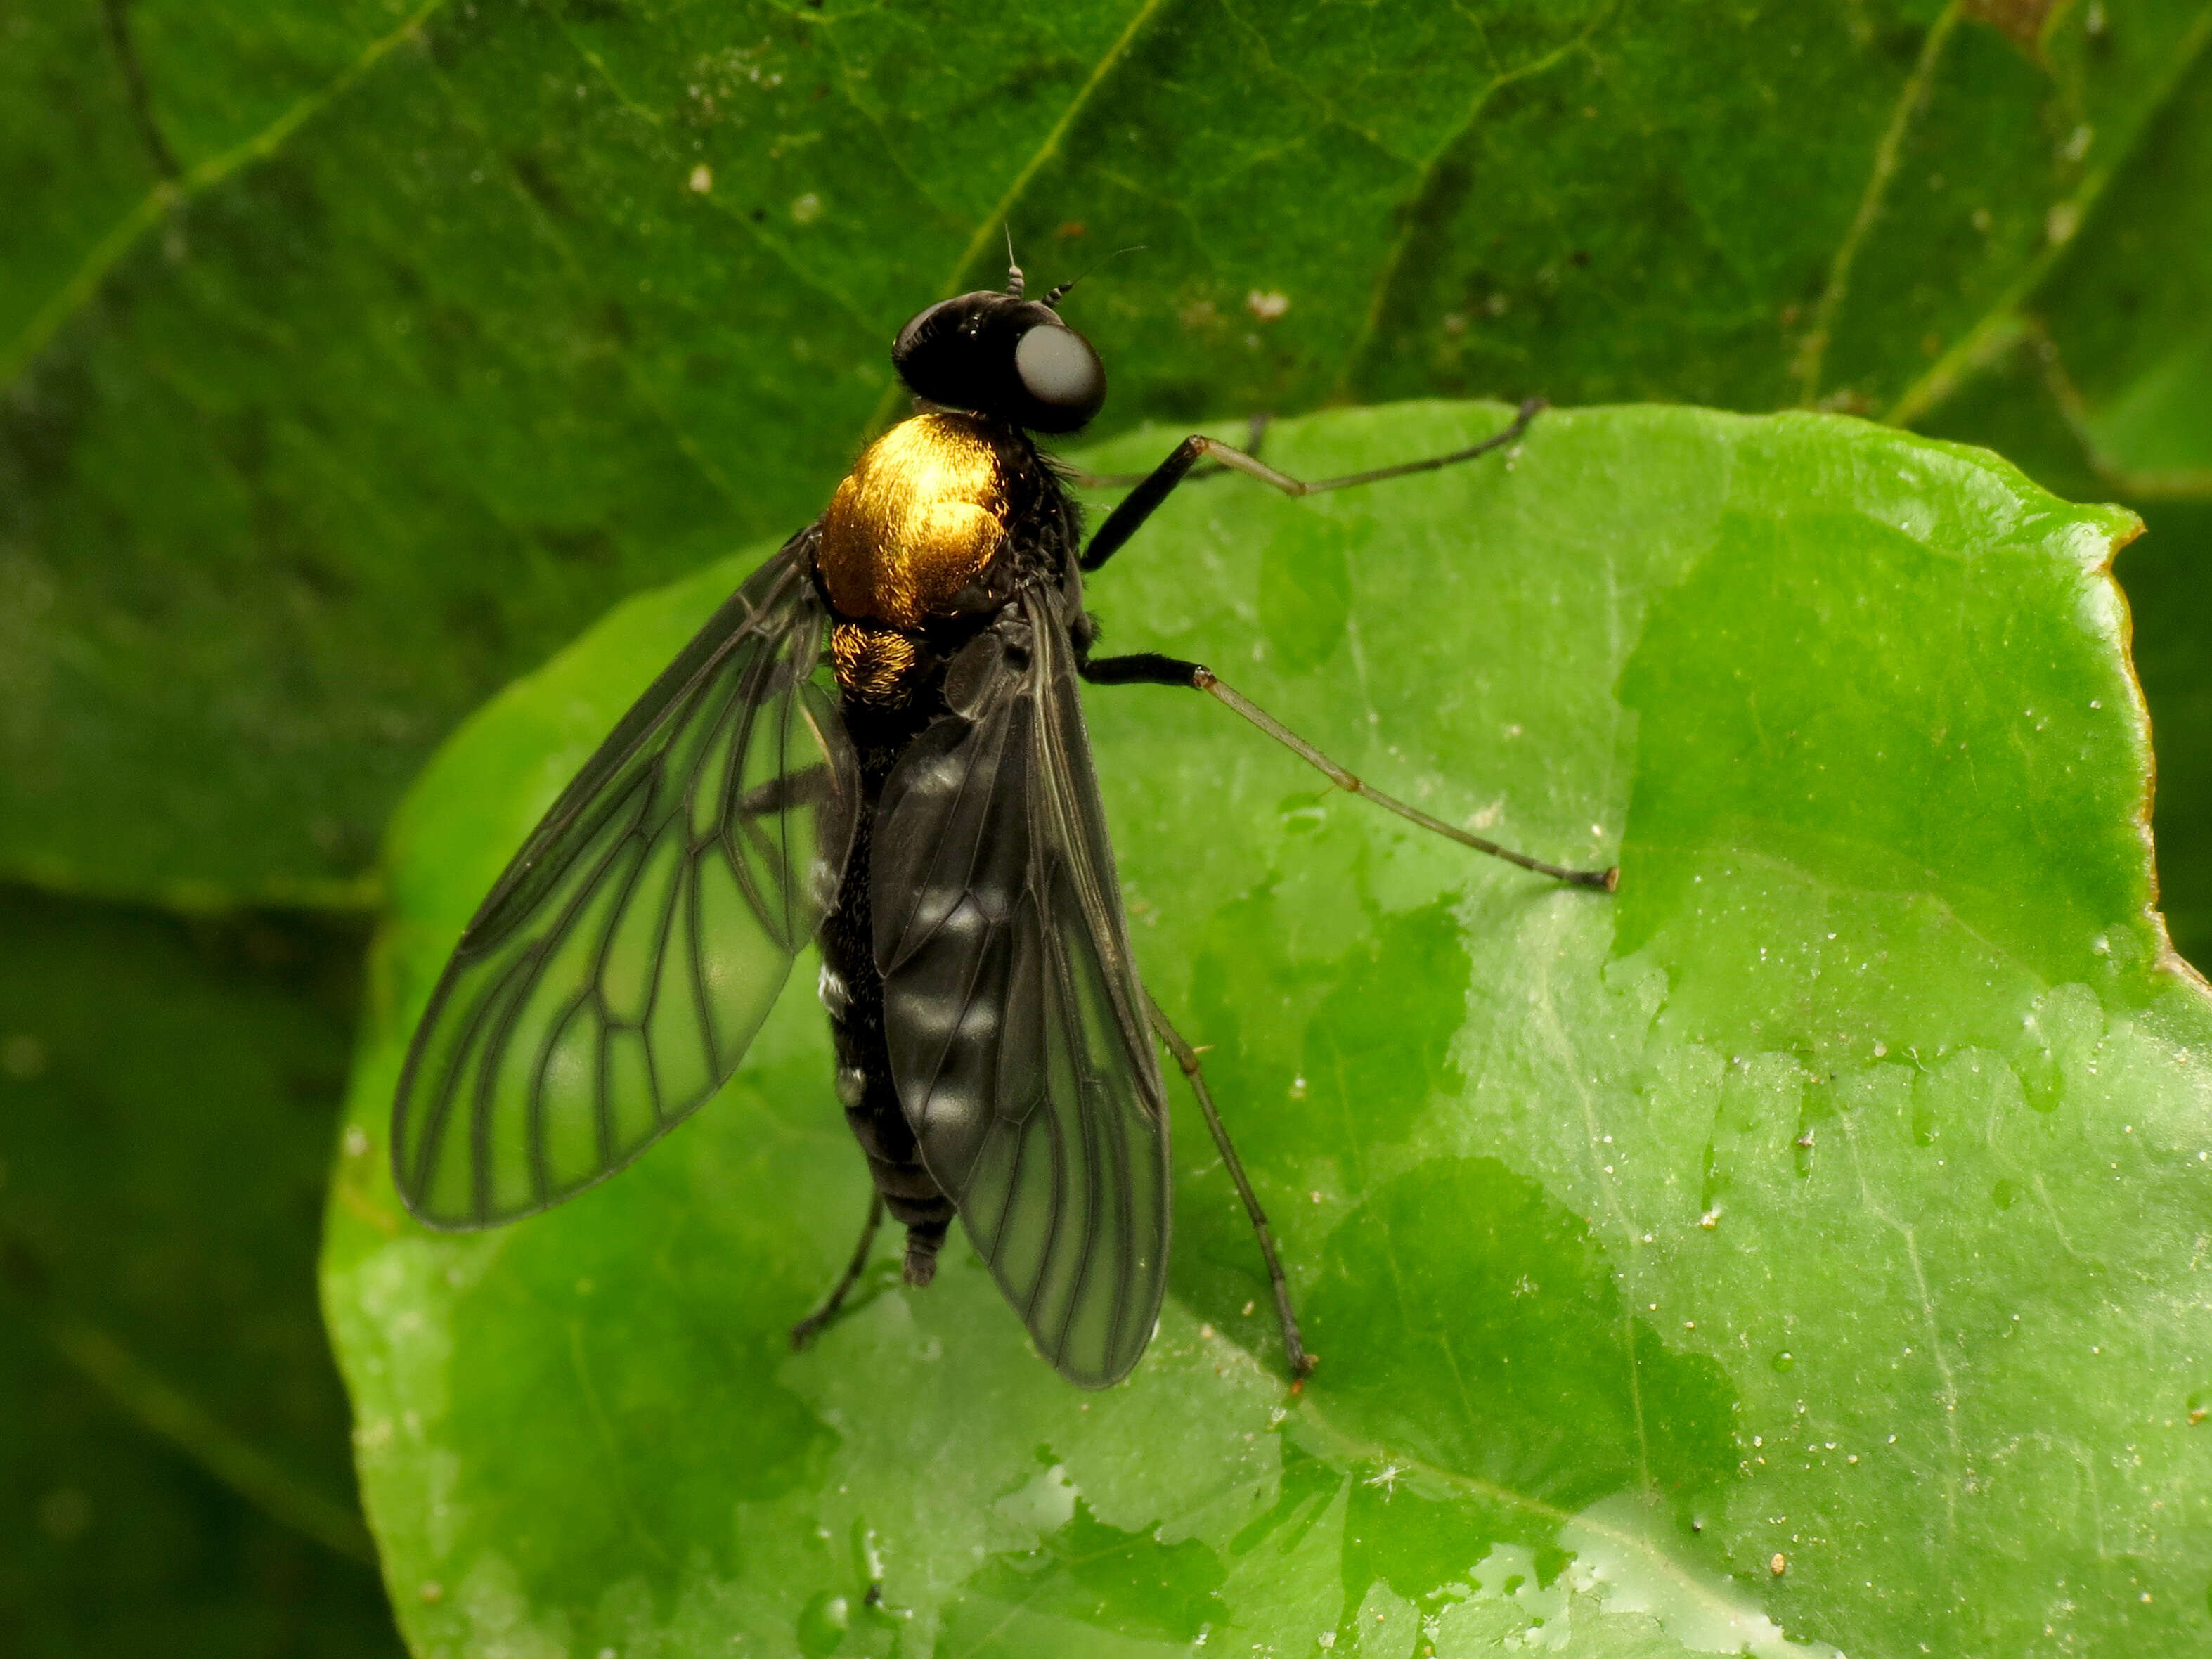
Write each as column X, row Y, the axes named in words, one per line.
column 1017, row 1028
column 618, row 970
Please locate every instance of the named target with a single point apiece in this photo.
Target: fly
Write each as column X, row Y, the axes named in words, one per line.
column 876, row 745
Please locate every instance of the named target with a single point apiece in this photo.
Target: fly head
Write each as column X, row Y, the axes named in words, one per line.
column 1004, row 357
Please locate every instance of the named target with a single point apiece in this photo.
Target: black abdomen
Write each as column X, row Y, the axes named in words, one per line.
column 853, row 993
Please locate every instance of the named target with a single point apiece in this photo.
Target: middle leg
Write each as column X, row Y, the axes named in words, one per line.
column 1151, row 668
column 806, row 1329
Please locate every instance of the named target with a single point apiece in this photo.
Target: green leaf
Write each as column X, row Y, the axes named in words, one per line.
column 2117, row 355
column 1797, row 1248
column 2098, row 381
column 173, row 1449
column 359, row 355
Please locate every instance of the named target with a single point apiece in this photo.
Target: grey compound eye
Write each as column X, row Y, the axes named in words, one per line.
column 1060, row 371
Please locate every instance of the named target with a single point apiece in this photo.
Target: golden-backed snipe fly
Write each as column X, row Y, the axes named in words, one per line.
column 875, row 744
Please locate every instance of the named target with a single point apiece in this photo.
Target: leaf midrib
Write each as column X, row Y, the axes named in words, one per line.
column 1047, row 148
column 164, row 194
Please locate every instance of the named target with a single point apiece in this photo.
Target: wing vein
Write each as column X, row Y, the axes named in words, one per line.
column 612, row 893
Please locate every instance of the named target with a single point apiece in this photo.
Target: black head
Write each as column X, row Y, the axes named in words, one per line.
column 1005, row 357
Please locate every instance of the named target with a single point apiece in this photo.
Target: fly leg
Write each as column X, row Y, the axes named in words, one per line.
column 1255, row 434
column 813, row 787
column 1140, row 503
column 1150, row 668
column 1294, row 1345
column 807, row 1328
column 807, row 788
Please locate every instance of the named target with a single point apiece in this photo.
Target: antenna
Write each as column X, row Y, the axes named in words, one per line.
column 1014, row 282
column 1052, row 300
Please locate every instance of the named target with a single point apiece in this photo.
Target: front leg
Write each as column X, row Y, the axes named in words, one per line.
column 1255, row 434
column 1140, row 503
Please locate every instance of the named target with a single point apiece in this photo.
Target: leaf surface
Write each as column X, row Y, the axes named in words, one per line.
column 1796, row 1252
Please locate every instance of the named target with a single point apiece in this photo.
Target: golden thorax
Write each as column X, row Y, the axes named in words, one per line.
column 915, row 521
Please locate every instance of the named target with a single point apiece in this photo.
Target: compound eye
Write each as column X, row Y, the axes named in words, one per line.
column 1062, row 374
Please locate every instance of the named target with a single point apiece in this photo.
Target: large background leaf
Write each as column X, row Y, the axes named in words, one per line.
column 1798, row 1248
column 175, row 1473
column 360, row 354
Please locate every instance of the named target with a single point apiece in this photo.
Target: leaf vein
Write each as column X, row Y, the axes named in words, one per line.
column 1813, row 350
column 2000, row 325
column 1411, row 215
column 70, row 298
column 1047, row 149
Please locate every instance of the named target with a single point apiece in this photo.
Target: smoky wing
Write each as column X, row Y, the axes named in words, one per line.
column 616, row 972
column 1014, row 1017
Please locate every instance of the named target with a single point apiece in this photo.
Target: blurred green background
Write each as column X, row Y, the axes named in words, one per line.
column 358, row 355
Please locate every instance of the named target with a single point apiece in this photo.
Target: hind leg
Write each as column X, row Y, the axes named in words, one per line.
column 806, row 1330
